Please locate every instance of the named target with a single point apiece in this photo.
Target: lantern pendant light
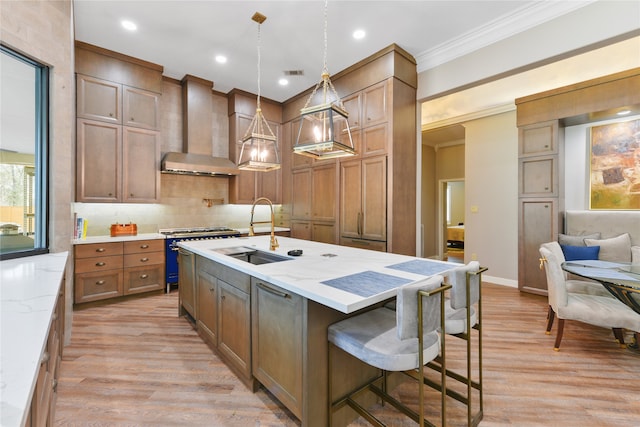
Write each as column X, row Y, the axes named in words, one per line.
column 323, row 131
column 259, row 151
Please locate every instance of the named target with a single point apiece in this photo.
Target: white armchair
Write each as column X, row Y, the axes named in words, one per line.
column 587, row 308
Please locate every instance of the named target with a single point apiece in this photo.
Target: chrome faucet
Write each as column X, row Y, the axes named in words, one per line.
column 274, row 243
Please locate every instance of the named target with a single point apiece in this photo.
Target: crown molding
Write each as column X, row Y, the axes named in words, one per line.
column 521, row 19
column 490, row 111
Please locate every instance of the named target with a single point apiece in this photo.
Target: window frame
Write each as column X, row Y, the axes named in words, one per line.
column 41, row 153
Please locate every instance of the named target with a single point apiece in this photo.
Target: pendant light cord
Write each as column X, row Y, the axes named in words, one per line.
column 259, row 59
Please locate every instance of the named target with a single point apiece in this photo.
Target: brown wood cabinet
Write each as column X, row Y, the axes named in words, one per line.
column 118, row 143
column 222, row 301
column 277, row 317
column 43, row 401
column 113, row 269
column 540, row 199
column 363, row 199
column 314, row 201
column 379, row 95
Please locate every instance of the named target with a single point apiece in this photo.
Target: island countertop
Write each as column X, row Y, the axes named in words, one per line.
column 340, row 277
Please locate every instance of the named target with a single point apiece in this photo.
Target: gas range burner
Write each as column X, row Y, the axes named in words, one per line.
column 199, row 231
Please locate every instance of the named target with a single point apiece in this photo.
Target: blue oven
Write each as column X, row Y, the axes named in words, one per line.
column 175, row 235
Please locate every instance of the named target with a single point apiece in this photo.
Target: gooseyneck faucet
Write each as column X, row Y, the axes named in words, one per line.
column 274, row 243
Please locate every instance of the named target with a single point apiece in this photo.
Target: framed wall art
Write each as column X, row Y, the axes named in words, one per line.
column 615, row 166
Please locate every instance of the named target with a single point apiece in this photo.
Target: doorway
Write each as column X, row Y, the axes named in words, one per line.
column 451, row 209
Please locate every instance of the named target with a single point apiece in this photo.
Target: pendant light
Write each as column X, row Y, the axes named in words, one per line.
column 259, row 151
column 323, row 131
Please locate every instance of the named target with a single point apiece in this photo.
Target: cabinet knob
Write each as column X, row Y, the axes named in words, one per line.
column 144, row 246
column 546, row 206
column 212, row 290
column 100, row 264
column 546, row 146
column 546, row 188
column 100, row 250
column 110, row 194
column 132, row 119
column 100, row 282
column 110, row 114
column 144, row 259
column 45, row 357
column 222, row 297
column 144, row 276
column 131, row 195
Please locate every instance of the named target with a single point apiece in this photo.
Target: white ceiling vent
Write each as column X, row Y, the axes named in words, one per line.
column 294, row 72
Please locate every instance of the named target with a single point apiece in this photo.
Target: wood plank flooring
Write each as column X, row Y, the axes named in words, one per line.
column 136, row 363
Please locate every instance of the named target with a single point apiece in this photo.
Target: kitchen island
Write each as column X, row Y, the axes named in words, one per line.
column 281, row 310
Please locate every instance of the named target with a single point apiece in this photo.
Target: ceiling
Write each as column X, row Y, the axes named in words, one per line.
column 185, row 36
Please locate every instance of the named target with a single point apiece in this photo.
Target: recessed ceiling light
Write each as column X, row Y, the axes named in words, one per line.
column 283, row 82
column 128, row 25
column 221, row 59
column 623, row 112
column 359, row 34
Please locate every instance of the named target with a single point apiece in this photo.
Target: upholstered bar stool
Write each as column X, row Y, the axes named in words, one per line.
column 463, row 313
column 400, row 341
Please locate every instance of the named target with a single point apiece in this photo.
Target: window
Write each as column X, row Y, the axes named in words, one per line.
column 24, row 106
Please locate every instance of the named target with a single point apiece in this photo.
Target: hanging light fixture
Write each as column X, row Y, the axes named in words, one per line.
column 324, row 129
column 259, row 151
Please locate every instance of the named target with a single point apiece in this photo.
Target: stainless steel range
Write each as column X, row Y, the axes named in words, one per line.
column 175, row 235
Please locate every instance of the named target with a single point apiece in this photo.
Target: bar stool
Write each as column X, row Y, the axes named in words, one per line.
column 463, row 312
column 400, row 341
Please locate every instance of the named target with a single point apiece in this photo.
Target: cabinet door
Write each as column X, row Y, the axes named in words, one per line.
column 143, row 279
column 324, row 192
column 98, row 163
column 98, row 99
column 141, row 108
column 352, row 105
column 374, row 199
column 374, row 140
column 187, row 283
column 277, row 318
column 324, row 232
column 375, row 100
column 538, row 224
column 350, row 198
column 538, row 176
column 207, row 306
column 141, row 165
column 301, row 230
column 97, row 285
column 301, row 194
column 234, row 326
column 538, row 139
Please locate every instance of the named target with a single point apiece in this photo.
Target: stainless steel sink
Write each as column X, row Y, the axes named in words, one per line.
column 251, row 255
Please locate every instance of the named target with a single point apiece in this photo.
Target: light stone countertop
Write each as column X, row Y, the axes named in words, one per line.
column 29, row 290
column 261, row 230
column 319, row 262
column 108, row 239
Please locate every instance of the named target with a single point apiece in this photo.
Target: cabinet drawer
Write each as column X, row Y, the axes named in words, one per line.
column 95, row 264
column 141, row 259
column 143, row 279
column 98, row 249
column 140, row 246
column 98, row 286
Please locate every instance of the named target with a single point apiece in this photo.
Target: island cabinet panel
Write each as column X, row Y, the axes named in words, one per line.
column 207, row 297
column 187, row 283
column 277, row 318
column 222, row 300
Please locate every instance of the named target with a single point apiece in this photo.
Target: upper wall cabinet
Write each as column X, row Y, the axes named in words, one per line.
column 115, row 103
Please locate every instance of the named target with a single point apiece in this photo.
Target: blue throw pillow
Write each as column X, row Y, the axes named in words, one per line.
column 573, row 253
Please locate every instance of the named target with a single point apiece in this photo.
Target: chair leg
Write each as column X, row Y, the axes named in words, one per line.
column 550, row 317
column 617, row 333
column 556, row 346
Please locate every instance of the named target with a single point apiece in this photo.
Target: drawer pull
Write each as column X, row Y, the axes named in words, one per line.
column 100, row 264
column 144, row 276
column 100, row 250
column 45, row 357
column 144, row 259
column 100, row 282
column 54, row 385
column 273, row 291
column 144, row 246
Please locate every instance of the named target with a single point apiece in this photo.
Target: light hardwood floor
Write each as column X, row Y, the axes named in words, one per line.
column 136, row 363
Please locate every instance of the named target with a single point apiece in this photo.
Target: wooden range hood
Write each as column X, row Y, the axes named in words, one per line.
column 197, row 137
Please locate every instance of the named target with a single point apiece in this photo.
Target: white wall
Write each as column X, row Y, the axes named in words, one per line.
column 491, row 186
